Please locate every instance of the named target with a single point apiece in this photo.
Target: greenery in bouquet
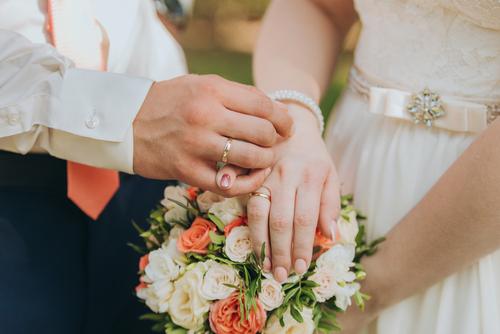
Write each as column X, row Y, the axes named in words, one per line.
column 198, row 273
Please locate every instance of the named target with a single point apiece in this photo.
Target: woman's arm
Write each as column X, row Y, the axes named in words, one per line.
column 454, row 225
column 297, row 48
column 299, row 43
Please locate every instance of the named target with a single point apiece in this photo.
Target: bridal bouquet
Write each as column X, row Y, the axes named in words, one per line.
column 199, row 274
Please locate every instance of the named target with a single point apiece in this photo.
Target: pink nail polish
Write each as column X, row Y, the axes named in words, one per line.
column 268, row 171
column 225, row 181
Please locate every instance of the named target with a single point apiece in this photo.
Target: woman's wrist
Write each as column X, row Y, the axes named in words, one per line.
column 304, row 120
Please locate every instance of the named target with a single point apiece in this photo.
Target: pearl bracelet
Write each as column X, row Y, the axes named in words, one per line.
column 302, row 99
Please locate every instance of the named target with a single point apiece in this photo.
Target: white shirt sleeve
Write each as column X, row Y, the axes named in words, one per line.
column 46, row 105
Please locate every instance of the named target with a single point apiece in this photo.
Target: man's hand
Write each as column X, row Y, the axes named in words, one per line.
column 183, row 125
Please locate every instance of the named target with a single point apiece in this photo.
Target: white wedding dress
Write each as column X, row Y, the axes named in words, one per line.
column 389, row 163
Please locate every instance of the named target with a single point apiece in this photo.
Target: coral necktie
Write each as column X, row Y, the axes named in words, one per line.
column 77, row 35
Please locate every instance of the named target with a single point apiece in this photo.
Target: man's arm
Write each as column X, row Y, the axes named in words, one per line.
column 46, row 105
column 174, row 129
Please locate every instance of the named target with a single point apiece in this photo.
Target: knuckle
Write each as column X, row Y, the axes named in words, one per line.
column 256, row 213
column 303, row 220
column 279, row 224
column 268, row 135
column 265, row 105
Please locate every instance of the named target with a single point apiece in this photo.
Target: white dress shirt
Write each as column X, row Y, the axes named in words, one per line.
column 46, row 105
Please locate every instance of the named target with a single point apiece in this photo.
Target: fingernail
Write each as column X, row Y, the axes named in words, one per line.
column 300, row 266
column 267, row 172
column 267, row 265
column 280, row 274
column 225, row 181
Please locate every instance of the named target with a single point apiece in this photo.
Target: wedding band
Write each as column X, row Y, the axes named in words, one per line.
column 263, row 195
column 225, row 152
column 256, row 193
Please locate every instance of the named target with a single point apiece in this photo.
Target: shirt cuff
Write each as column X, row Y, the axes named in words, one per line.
column 97, row 110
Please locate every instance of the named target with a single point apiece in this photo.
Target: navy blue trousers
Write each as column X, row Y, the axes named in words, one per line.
column 60, row 272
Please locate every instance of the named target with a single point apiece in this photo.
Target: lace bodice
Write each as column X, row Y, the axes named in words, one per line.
column 450, row 46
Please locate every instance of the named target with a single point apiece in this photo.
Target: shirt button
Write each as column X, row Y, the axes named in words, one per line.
column 92, row 122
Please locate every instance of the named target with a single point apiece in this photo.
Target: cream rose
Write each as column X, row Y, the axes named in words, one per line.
column 191, row 307
column 348, row 229
column 238, row 244
column 327, row 283
column 175, row 193
column 291, row 325
column 271, row 294
column 170, row 247
column 150, row 298
column 207, row 200
column 162, row 266
column 176, row 214
column 228, row 210
column 163, row 290
column 217, row 275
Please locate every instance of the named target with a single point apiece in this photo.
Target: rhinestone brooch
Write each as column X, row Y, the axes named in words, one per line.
column 425, row 107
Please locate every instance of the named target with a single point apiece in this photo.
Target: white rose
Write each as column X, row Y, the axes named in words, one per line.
column 338, row 260
column 175, row 193
column 150, row 297
column 162, row 266
column 170, row 247
column 238, row 244
column 228, row 210
column 217, row 275
column 207, row 199
column 190, row 307
column 175, row 232
column 163, row 290
column 342, row 255
column 177, row 214
column 344, row 293
column 271, row 294
column 348, row 230
column 291, row 325
column 327, row 283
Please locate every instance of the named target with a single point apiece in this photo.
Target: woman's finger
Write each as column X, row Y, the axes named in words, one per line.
column 258, row 221
column 330, row 204
column 281, row 228
column 304, row 224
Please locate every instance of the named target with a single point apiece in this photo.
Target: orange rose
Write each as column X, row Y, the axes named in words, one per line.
column 225, row 317
column 143, row 262
column 237, row 222
column 192, row 192
column 321, row 244
column 196, row 238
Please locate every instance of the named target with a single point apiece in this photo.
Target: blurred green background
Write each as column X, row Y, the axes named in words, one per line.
column 219, row 37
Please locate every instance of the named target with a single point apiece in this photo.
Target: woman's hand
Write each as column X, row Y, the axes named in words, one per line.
column 304, row 189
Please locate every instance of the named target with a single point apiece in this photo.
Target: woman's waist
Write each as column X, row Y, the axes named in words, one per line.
column 424, row 105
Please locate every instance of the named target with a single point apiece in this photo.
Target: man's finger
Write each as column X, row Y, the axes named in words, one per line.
column 249, row 100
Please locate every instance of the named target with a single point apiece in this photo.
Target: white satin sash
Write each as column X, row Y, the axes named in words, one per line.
column 461, row 115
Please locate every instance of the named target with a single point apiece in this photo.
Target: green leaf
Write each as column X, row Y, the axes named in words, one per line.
column 289, row 295
column 152, row 317
column 136, row 248
column 219, row 223
column 296, row 314
column 216, row 238
column 309, row 284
